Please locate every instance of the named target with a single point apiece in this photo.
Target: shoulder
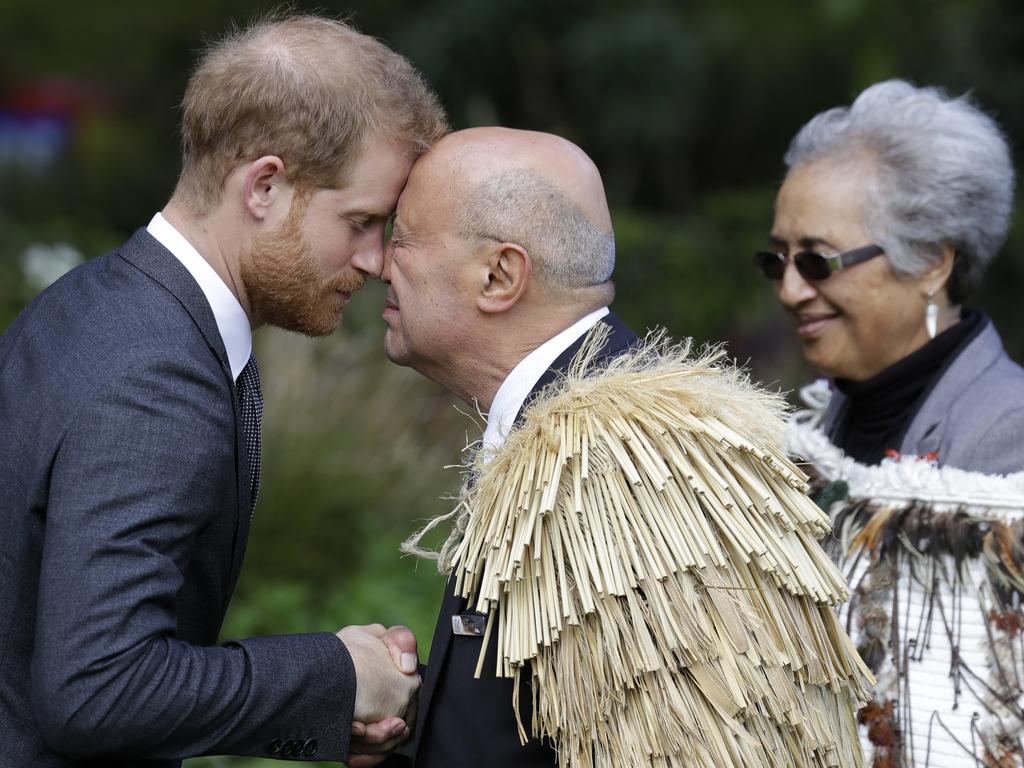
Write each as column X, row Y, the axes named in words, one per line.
column 988, row 386
column 985, row 429
column 103, row 312
column 104, row 327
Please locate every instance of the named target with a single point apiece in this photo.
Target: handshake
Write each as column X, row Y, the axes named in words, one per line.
column 387, row 688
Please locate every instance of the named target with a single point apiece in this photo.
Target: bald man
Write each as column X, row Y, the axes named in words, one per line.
column 717, row 650
column 499, row 263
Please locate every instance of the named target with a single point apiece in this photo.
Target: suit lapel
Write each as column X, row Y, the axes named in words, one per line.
column 451, row 605
column 620, row 339
column 147, row 254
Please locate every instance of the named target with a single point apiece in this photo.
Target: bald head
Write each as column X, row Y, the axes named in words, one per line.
column 501, row 240
column 480, row 154
column 537, row 190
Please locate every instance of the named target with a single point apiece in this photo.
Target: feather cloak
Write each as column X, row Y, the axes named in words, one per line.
column 935, row 558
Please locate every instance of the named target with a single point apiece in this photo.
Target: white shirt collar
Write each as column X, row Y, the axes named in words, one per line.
column 232, row 322
column 521, row 380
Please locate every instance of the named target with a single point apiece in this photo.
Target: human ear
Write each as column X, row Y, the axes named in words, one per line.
column 936, row 279
column 507, row 275
column 263, row 187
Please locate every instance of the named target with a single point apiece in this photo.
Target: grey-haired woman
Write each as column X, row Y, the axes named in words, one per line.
column 890, row 211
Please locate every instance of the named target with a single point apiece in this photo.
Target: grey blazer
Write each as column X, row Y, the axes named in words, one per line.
column 125, row 512
column 974, row 415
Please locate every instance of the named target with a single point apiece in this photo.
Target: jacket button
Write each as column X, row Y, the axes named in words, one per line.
column 309, row 749
column 274, row 747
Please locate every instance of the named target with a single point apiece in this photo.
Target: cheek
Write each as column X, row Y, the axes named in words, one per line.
column 333, row 248
column 401, row 267
column 887, row 309
column 420, row 284
column 866, row 305
column 337, row 252
column 880, row 325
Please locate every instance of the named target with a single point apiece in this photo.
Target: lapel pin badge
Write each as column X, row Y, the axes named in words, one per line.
column 469, row 624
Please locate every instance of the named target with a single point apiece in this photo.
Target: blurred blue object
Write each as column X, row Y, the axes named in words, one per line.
column 33, row 142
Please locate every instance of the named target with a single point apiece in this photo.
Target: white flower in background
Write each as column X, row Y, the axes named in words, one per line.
column 43, row 264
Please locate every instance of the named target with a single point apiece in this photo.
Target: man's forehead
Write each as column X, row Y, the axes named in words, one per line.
column 354, row 199
column 405, row 213
column 377, row 177
column 425, row 190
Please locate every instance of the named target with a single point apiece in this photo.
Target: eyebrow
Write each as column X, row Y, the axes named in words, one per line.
column 805, row 243
column 367, row 213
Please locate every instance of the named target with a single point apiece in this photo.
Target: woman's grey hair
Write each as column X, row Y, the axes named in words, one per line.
column 521, row 207
column 943, row 175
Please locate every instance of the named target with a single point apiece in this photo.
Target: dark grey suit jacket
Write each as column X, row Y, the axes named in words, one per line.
column 468, row 722
column 125, row 508
column 973, row 416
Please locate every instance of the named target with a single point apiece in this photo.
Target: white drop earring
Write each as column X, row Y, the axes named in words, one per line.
column 931, row 315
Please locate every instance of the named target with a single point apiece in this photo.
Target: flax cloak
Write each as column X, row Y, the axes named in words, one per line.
column 646, row 553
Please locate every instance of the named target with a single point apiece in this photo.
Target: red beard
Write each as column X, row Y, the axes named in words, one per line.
column 284, row 285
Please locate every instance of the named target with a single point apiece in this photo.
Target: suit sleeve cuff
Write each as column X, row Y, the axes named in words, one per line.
column 318, row 672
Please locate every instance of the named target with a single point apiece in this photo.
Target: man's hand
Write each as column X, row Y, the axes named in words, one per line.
column 382, row 688
column 401, row 643
column 372, row 742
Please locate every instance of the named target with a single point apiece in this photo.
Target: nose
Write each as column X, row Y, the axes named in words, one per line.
column 385, row 263
column 369, row 258
column 793, row 290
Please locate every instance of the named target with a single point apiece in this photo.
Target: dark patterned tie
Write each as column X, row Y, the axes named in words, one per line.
column 250, row 397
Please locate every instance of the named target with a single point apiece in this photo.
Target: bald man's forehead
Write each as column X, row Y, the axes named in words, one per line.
column 429, row 194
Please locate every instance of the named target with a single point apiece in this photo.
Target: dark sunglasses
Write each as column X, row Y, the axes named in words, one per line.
column 813, row 266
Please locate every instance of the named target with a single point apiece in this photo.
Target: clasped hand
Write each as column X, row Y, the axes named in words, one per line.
column 387, row 686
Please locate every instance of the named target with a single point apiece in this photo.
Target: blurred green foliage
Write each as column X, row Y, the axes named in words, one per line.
column 686, row 107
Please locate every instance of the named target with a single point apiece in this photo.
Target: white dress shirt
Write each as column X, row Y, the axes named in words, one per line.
column 522, row 379
column 232, row 322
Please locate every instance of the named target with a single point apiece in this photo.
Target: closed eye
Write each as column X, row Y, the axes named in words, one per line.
column 398, row 236
column 358, row 222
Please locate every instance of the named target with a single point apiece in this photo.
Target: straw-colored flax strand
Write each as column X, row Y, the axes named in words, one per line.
column 650, row 556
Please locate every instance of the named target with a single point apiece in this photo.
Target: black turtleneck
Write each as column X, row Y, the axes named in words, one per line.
column 881, row 408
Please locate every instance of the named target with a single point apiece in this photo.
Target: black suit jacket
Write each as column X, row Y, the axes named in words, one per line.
column 124, row 500
column 467, row 722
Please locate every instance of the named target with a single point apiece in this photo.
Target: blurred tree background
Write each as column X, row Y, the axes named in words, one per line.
column 687, row 107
